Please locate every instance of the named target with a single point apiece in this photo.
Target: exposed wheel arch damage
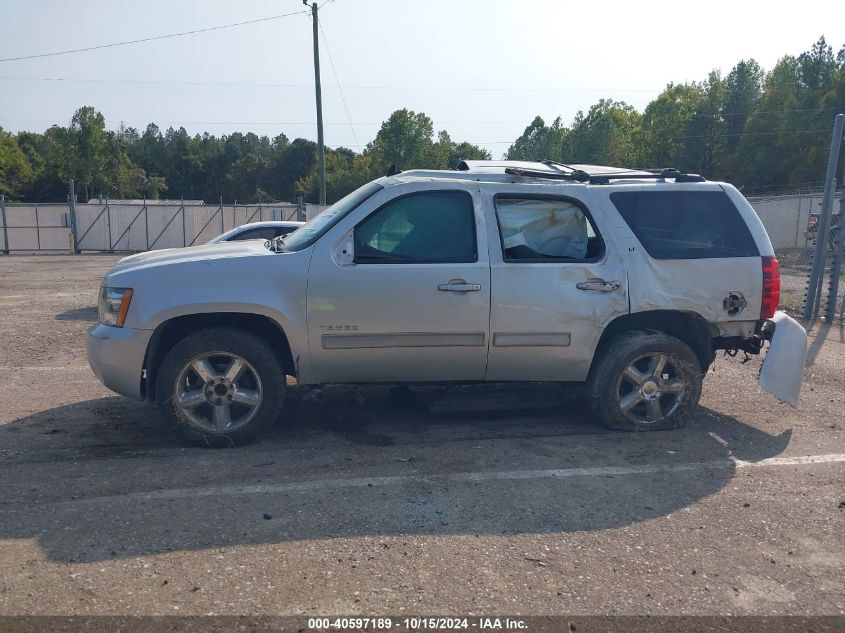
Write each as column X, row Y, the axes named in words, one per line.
column 170, row 332
column 688, row 327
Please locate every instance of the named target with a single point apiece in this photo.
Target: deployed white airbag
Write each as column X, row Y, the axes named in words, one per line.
column 783, row 367
column 553, row 228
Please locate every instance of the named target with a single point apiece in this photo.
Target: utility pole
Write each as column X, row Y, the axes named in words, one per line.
column 321, row 146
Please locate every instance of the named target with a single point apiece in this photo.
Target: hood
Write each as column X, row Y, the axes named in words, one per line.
column 205, row 252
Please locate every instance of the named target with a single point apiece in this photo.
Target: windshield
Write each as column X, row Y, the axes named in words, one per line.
column 312, row 230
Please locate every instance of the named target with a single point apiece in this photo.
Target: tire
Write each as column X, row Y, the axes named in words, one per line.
column 628, row 388
column 220, row 387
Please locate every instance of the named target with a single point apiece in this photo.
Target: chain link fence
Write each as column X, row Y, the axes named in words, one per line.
column 130, row 226
column 791, row 221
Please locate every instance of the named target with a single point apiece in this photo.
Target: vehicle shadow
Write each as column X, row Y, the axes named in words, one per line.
column 88, row 314
column 106, row 478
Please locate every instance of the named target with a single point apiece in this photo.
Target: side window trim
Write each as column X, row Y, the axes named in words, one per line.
column 554, row 197
column 470, row 196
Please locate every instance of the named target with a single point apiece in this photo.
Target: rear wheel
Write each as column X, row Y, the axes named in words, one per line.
column 221, row 387
column 645, row 381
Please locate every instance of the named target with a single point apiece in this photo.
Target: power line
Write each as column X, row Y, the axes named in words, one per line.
column 340, row 87
column 784, row 133
column 331, row 61
column 152, row 39
column 311, row 86
column 141, row 121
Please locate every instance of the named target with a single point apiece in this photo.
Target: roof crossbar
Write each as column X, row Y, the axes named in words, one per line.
column 579, row 175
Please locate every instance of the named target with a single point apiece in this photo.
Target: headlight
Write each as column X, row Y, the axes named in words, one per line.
column 113, row 305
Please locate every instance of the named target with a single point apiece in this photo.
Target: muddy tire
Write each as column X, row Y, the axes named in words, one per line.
column 645, row 381
column 220, row 387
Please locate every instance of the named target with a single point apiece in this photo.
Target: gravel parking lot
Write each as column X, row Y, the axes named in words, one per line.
column 362, row 503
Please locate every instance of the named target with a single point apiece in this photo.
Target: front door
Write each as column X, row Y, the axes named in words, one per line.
column 400, row 290
column 557, row 278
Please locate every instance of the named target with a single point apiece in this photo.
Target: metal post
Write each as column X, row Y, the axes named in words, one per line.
column 222, row 230
column 146, row 224
column 37, row 228
column 836, row 269
column 320, row 145
column 818, row 301
column 71, row 204
column 5, row 229
column 108, row 224
column 300, row 209
column 814, row 283
column 184, row 235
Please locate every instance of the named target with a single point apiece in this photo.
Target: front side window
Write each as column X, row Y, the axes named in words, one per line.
column 429, row 226
column 686, row 224
column 317, row 226
column 546, row 229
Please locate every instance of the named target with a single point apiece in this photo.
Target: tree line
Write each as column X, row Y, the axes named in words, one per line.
column 752, row 127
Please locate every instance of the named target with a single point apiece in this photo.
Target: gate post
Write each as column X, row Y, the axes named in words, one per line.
column 5, row 230
column 300, row 209
column 146, row 225
column 71, row 204
column 836, row 269
column 814, row 284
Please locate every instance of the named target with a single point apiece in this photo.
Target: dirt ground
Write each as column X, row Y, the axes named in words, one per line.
column 357, row 503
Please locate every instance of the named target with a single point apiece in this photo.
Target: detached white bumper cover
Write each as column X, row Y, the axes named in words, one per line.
column 783, row 367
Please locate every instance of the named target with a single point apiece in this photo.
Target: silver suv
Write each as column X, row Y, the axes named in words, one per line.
column 628, row 281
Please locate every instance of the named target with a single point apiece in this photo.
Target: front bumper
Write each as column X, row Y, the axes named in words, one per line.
column 116, row 356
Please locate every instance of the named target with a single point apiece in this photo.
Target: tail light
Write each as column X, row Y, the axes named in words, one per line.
column 771, row 287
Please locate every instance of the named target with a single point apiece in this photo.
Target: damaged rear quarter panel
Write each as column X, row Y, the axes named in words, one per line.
column 690, row 285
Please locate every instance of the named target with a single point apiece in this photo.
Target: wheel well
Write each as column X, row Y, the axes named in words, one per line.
column 690, row 328
column 174, row 330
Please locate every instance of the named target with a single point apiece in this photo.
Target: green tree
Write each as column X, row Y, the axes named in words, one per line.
column 816, row 67
column 704, row 134
column 539, row 141
column 743, row 89
column 606, row 134
column 296, row 163
column 88, row 128
column 661, row 137
column 15, row 170
column 404, row 140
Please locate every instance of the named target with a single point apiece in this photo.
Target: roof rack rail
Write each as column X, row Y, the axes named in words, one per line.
column 579, row 175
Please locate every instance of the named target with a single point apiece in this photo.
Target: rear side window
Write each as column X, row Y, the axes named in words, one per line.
column 545, row 229
column 686, row 224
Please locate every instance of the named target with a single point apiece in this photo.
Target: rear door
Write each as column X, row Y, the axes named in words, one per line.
column 557, row 279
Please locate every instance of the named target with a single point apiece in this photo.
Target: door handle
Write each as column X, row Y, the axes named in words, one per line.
column 598, row 285
column 458, row 285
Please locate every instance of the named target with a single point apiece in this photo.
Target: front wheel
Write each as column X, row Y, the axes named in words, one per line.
column 645, row 381
column 221, row 387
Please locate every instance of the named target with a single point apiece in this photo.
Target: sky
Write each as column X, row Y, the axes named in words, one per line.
column 481, row 69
